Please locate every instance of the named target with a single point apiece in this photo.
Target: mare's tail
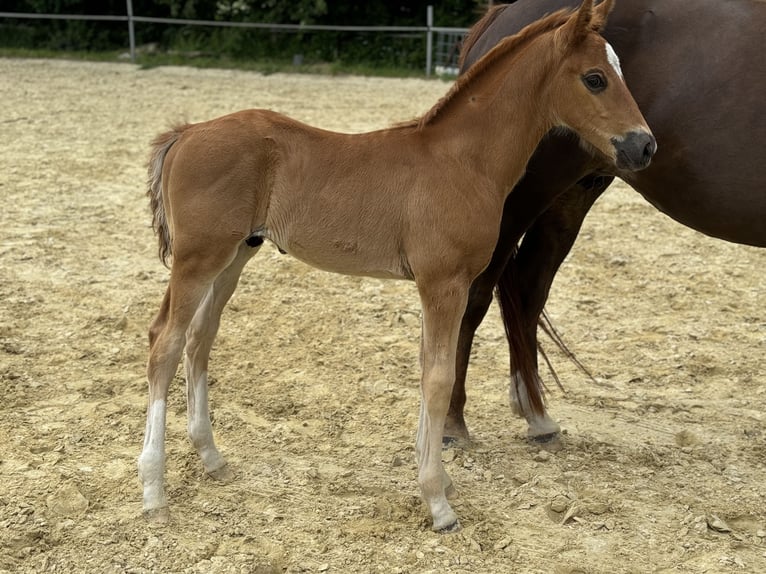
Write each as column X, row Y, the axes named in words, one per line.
column 523, row 359
column 160, row 146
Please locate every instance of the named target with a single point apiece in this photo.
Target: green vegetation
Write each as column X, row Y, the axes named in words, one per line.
column 264, row 66
column 257, row 49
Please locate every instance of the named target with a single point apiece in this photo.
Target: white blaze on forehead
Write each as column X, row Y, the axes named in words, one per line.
column 611, row 56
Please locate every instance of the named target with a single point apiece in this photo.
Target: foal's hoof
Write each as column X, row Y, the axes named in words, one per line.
column 452, row 441
column 223, row 474
column 157, row 516
column 545, row 438
column 449, row 441
column 450, row 528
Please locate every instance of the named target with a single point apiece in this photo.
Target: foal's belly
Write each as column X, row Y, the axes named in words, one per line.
column 362, row 254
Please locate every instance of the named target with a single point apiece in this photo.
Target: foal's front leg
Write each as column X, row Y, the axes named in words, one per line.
column 443, row 308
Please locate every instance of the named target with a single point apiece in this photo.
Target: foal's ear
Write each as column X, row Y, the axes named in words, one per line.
column 600, row 14
column 578, row 26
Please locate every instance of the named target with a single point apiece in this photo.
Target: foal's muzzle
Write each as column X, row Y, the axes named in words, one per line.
column 635, row 151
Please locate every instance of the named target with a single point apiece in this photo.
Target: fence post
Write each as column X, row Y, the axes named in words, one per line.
column 429, row 38
column 131, row 32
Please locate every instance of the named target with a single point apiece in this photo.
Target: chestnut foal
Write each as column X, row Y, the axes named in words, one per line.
column 420, row 201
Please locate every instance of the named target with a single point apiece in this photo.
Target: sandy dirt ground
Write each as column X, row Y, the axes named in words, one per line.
column 315, row 376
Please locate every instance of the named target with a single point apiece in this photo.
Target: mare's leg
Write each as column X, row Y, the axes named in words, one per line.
column 525, row 207
column 520, row 210
column 199, row 341
column 479, row 300
column 528, row 278
column 191, row 278
column 443, row 308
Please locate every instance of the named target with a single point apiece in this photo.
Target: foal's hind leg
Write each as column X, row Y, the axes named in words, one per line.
column 199, row 341
column 166, row 342
column 190, row 280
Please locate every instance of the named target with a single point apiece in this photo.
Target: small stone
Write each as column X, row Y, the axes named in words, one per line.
column 618, row 261
column 312, row 473
column 686, row 438
column 67, row 501
column 559, row 504
column 542, row 456
column 502, row 544
column 715, row 523
column 598, row 508
column 571, row 514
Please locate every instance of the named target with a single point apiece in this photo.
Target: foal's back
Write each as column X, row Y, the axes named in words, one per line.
column 342, row 202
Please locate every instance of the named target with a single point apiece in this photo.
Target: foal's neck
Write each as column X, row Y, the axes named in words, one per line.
column 496, row 121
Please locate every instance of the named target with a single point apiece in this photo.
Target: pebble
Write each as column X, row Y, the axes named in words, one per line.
column 68, row 501
column 686, row 439
column 542, row 456
column 502, row 544
column 598, row 508
column 717, row 524
column 559, row 503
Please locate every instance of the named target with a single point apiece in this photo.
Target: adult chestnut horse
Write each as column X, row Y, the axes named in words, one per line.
column 697, row 69
column 420, row 201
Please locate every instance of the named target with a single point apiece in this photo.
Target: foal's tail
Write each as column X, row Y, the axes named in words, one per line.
column 160, row 146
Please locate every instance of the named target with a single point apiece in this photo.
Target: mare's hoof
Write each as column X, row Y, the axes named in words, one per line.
column 157, row 516
column 223, row 474
column 450, row 528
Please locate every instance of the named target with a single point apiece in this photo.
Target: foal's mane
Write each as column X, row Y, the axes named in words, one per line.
column 500, row 50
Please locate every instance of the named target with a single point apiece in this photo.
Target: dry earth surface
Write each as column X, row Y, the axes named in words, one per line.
column 315, row 376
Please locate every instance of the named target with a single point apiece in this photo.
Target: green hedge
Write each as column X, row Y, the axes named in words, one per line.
column 392, row 50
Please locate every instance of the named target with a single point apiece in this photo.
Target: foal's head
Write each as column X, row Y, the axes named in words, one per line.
column 589, row 94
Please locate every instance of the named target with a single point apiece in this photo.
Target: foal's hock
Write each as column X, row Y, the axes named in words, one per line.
column 421, row 201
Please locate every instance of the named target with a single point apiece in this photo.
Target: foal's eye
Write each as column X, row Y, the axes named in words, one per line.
column 595, row 82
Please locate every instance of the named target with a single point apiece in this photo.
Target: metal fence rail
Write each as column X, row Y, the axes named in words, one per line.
column 429, row 29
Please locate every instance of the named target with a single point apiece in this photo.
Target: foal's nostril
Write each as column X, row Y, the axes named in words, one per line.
column 649, row 149
column 635, row 150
